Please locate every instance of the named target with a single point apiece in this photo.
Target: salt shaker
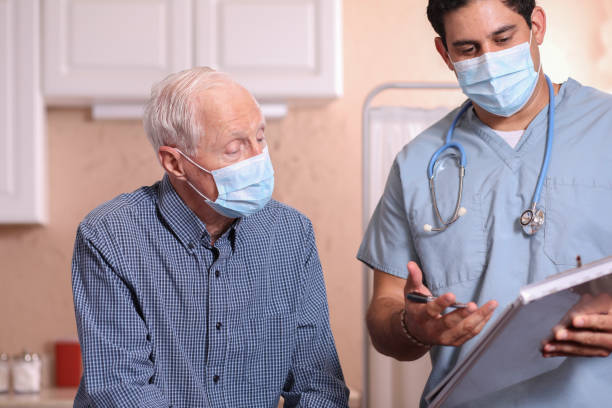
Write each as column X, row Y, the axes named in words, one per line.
column 26, row 370
column 4, row 373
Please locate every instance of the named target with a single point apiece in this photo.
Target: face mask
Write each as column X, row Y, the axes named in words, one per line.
column 244, row 187
column 500, row 82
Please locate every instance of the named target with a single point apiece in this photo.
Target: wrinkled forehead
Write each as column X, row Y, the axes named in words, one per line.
column 227, row 110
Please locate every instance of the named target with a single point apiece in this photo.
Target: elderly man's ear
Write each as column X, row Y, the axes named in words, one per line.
column 170, row 161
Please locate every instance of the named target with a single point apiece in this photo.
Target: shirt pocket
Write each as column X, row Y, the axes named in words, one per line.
column 455, row 255
column 578, row 220
column 270, row 341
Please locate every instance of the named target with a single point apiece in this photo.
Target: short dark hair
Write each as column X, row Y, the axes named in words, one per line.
column 437, row 9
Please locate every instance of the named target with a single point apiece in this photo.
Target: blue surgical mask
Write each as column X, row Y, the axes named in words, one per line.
column 500, row 82
column 244, row 187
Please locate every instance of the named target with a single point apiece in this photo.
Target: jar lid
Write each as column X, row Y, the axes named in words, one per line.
column 27, row 357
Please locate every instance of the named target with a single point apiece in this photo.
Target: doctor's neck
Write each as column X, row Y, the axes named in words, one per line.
column 521, row 119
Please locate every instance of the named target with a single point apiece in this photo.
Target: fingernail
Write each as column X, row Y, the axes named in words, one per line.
column 549, row 347
column 561, row 335
column 579, row 322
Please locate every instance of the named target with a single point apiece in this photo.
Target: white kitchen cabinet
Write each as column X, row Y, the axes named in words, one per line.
column 22, row 144
column 279, row 49
column 113, row 49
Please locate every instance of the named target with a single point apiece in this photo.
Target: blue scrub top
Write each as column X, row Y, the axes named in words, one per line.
column 485, row 255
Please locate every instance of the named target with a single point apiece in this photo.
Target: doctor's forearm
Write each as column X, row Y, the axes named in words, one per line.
column 386, row 332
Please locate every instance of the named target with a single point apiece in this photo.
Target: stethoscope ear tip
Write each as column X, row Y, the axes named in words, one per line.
column 427, row 228
column 462, row 211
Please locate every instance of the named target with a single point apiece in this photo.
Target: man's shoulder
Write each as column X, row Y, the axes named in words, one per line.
column 587, row 96
column 283, row 217
column 123, row 209
column 280, row 207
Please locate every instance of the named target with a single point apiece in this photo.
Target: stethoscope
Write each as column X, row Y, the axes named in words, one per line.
column 532, row 218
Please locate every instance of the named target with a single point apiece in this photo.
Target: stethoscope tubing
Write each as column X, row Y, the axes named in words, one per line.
column 549, row 142
column 449, row 143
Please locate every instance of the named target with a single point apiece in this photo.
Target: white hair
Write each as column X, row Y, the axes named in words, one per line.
column 171, row 116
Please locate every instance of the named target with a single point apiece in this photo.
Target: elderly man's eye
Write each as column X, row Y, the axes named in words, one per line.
column 233, row 148
column 260, row 136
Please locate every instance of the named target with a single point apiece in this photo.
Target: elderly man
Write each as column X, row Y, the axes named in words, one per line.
column 201, row 291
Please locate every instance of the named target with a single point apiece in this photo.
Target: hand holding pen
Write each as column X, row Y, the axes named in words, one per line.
column 418, row 297
column 426, row 322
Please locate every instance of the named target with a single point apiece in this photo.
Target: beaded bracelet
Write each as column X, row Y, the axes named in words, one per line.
column 407, row 333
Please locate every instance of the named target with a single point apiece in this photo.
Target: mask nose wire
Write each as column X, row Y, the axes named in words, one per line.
column 530, row 39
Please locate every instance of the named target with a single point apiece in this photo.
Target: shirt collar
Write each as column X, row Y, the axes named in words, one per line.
column 185, row 224
column 187, row 227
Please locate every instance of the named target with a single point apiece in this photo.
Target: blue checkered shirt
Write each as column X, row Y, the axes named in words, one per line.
column 165, row 319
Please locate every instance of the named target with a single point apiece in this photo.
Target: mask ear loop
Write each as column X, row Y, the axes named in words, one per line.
column 201, row 194
column 530, row 39
column 201, row 168
column 193, row 162
column 449, row 57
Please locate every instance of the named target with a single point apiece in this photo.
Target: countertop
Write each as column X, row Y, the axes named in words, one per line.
column 47, row 398
column 64, row 398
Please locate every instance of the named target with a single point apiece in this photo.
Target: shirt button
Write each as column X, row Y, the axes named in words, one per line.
column 216, row 378
column 219, row 325
column 191, row 245
column 217, row 273
column 148, row 337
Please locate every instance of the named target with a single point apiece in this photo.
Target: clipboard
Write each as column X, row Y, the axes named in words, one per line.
column 537, row 309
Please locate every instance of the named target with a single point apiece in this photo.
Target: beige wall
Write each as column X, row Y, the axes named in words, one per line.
column 316, row 152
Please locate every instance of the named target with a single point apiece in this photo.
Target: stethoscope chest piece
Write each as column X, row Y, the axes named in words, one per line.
column 532, row 220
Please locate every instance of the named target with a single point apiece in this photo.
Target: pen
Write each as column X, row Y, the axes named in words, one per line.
column 421, row 298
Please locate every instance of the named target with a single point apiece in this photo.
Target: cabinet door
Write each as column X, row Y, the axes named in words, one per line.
column 278, row 49
column 113, row 49
column 22, row 143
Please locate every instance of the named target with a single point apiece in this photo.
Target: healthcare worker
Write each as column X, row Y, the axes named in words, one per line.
column 505, row 190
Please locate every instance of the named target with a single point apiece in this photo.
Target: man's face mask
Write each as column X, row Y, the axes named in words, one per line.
column 500, row 82
column 244, row 187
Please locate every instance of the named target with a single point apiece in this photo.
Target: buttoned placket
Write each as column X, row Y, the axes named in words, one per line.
column 217, row 319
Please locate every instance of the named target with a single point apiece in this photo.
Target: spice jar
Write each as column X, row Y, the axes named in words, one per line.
column 4, row 373
column 26, row 373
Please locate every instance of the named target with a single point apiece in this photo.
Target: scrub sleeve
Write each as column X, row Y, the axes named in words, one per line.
column 387, row 244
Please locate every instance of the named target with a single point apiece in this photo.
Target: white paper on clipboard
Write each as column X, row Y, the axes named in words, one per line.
column 511, row 347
